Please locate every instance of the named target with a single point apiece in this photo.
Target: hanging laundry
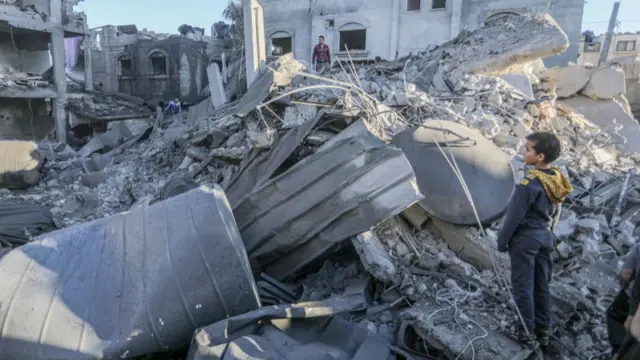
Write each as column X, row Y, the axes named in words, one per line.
column 72, row 51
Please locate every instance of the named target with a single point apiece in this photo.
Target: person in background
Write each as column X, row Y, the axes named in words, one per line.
column 527, row 235
column 630, row 348
column 618, row 311
column 174, row 106
column 321, row 58
column 160, row 113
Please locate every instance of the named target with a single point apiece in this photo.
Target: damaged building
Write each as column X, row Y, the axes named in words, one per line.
column 299, row 217
column 32, row 36
column 154, row 67
column 392, row 28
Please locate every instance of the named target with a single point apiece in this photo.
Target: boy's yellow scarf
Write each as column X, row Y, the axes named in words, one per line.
column 556, row 185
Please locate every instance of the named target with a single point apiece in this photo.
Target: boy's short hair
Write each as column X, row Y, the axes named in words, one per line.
column 321, row 37
column 546, row 143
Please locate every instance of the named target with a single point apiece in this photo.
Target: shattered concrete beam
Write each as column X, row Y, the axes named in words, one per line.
column 549, row 39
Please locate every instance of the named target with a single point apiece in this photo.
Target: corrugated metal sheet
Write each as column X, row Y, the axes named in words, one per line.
column 201, row 109
column 126, row 285
column 303, row 331
column 324, row 199
column 20, row 221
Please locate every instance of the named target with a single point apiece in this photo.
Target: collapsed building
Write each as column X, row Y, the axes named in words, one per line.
column 29, row 94
column 301, row 221
column 151, row 66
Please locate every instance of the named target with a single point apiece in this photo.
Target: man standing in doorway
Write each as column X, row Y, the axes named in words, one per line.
column 321, row 56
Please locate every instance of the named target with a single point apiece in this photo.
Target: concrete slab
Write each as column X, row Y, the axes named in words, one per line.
column 218, row 96
column 490, row 183
column 602, row 113
column 606, row 83
column 568, row 80
column 520, row 82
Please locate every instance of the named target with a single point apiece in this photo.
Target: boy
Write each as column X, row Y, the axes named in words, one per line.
column 527, row 234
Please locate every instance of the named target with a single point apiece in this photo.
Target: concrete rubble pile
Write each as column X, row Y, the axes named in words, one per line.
column 306, row 218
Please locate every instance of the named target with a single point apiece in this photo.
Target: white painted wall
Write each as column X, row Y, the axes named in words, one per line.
column 391, row 28
column 593, row 57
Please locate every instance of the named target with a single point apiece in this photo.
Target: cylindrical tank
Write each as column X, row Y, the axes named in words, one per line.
column 126, row 285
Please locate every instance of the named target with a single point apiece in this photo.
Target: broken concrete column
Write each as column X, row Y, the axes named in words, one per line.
column 606, row 83
column 218, row 96
column 548, row 39
column 88, row 68
column 254, row 40
column 374, row 257
column 60, row 83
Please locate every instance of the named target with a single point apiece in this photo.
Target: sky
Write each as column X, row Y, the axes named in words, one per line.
column 158, row 17
column 597, row 14
column 203, row 13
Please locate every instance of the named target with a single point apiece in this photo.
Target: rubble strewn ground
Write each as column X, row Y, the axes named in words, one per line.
column 423, row 286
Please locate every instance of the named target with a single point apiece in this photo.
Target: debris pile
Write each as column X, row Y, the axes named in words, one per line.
column 327, row 182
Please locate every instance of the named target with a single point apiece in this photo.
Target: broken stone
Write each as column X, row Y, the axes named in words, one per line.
column 568, row 80
column 589, row 226
column 416, row 216
column 299, row 114
column 590, row 247
column 625, row 233
column 606, row 83
column 232, row 156
column 521, row 82
column 508, row 141
column 263, row 140
column 519, row 130
column 564, row 250
column 495, row 98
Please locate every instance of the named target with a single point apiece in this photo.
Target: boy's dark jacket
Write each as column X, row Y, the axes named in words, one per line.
column 535, row 204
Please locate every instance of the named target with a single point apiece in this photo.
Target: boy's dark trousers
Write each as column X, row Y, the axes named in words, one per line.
column 531, row 269
column 630, row 349
column 616, row 315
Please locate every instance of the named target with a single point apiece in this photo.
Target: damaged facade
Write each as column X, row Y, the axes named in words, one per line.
column 32, row 40
column 392, row 28
column 154, row 67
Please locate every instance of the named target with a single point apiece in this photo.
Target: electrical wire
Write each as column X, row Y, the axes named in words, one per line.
column 454, row 167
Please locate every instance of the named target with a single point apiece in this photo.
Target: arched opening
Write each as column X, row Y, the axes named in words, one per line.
column 353, row 36
column 501, row 16
column 158, row 63
column 125, row 66
column 281, row 42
